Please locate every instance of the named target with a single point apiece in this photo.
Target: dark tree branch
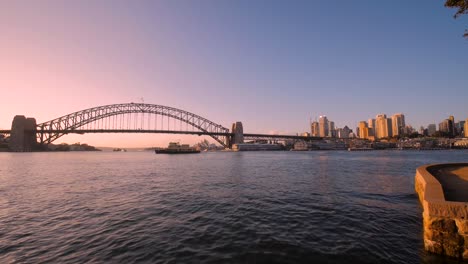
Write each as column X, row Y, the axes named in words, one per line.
column 462, row 6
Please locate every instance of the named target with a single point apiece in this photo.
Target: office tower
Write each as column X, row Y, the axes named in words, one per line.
column 398, row 123
column 331, row 129
column 314, row 129
column 343, row 132
column 371, row 125
column 431, row 129
column 389, row 127
column 446, row 126
column 466, row 128
column 363, row 130
column 323, row 126
column 459, row 128
column 383, row 126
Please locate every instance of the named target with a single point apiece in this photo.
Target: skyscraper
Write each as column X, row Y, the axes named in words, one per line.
column 323, row 126
column 331, row 129
column 314, row 129
column 446, row 126
column 459, row 128
column 398, row 123
column 343, row 132
column 466, row 128
column 346, row 131
column 371, row 125
column 383, row 126
column 431, row 129
column 363, row 130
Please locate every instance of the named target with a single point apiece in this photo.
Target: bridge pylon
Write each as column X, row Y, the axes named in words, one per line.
column 238, row 134
column 23, row 134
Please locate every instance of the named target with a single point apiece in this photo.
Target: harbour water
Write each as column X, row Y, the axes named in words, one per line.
column 215, row 207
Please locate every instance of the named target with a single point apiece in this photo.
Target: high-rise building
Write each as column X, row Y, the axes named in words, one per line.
column 383, row 126
column 465, row 127
column 371, row 125
column 446, row 127
column 398, row 123
column 363, row 130
column 431, row 129
column 343, row 132
column 331, row 129
column 459, row 128
column 323, row 126
column 314, row 129
column 389, row 127
column 451, row 118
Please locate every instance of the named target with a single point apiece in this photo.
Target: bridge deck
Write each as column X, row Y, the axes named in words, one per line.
column 200, row 133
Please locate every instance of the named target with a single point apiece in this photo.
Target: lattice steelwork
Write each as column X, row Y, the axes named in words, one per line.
column 257, row 137
column 132, row 117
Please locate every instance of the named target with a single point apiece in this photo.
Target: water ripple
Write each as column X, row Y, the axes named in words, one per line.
column 265, row 207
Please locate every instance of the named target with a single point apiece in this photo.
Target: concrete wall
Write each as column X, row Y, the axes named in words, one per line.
column 23, row 135
column 445, row 222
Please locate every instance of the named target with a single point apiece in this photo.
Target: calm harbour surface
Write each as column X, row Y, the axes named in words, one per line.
column 214, row 207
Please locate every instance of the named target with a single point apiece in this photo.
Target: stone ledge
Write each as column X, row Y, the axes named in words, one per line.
column 445, row 222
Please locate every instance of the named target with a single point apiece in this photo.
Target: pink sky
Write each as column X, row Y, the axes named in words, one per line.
column 271, row 66
column 55, row 62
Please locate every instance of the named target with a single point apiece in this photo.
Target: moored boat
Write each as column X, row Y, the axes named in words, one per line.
column 176, row 148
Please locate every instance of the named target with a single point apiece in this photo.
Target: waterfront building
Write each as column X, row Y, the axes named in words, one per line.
column 451, row 118
column 422, row 131
column 323, row 126
column 371, row 125
column 463, row 143
column 398, row 123
column 431, row 129
column 459, row 128
column 331, row 129
column 339, row 132
column 343, row 132
column 314, row 129
column 383, row 126
column 465, row 127
column 363, row 130
column 255, row 147
column 446, row 126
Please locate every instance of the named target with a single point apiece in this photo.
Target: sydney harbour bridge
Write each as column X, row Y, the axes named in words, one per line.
column 26, row 135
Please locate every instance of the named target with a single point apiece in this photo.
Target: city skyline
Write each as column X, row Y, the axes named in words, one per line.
column 270, row 65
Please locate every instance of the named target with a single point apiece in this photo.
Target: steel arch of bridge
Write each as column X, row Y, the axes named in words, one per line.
column 51, row 130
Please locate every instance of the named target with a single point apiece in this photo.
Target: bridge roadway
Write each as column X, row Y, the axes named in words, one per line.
column 136, row 117
column 247, row 136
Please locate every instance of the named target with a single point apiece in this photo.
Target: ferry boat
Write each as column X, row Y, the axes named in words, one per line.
column 176, row 148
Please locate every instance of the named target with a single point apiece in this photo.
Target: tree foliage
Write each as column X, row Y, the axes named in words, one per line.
column 462, row 6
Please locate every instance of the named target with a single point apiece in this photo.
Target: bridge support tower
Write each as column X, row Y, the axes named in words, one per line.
column 238, row 134
column 23, row 134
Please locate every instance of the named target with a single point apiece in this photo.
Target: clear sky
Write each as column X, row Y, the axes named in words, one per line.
column 271, row 64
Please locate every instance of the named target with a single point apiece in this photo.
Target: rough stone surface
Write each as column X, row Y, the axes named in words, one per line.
column 23, row 135
column 238, row 132
column 445, row 222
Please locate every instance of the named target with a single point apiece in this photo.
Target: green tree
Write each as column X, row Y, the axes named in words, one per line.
column 462, row 6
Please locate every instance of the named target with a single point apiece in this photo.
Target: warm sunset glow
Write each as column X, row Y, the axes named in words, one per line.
column 58, row 58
